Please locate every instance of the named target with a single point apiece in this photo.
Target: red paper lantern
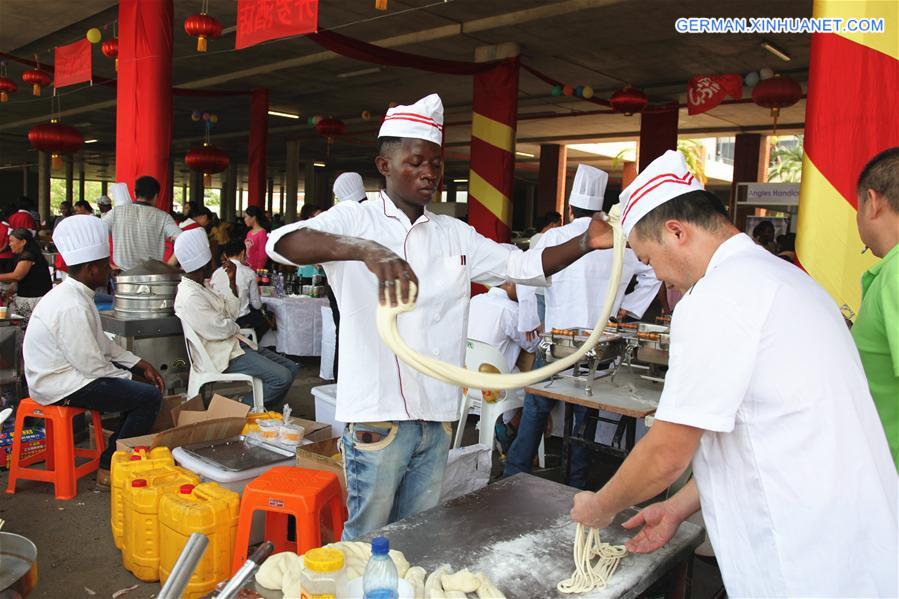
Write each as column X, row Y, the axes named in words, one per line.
column 37, row 78
column 7, row 86
column 110, row 49
column 775, row 93
column 330, row 127
column 55, row 138
column 207, row 160
column 628, row 100
column 202, row 27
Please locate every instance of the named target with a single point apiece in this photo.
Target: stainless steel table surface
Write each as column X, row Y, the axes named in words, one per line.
column 519, row 532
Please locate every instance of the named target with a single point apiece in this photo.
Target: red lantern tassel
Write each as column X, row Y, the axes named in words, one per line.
column 381, row 4
column 36, row 90
column 4, row 97
column 201, row 43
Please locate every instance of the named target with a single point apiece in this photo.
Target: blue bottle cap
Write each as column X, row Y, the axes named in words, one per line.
column 380, row 546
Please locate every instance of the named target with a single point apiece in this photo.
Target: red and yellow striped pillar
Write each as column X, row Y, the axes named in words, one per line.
column 851, row 115
column 492, row 170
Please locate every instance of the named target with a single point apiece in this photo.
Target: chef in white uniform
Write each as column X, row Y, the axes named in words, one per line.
column 575, row 301
column 349, row 187
column 493, row 319
column 396, row 445
column 766, row 397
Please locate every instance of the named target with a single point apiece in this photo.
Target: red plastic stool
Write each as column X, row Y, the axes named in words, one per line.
column 60, row 452
column 289, row 491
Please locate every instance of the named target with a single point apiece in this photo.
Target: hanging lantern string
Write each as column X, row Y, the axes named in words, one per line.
column 205, row 7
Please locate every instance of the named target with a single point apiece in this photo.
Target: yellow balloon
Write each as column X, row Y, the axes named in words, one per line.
column 94, row 35
column 588, row 92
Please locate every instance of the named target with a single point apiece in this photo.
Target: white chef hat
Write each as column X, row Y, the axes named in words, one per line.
column 349, row 187
column 120, row 194
column 81, row 238
column 104, row 201
column 664, row 179
column 422, row 120
column 192, row 250
column 589, row 188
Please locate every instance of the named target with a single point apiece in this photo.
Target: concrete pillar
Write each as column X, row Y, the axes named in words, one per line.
column 43, row 185
column 81, row 180
column 658, row 133
column 229, row 193
column 104, row 187
column 450, row 190
column 196, row 188
column 749, row 167
column 310, row 181
column 270, row 202
column 184, row 194
column 628, row 173
column 551, row 179
column 291, row 180
column 281, row 197
column 240, row 199
column 25, row 174
column 70, row 178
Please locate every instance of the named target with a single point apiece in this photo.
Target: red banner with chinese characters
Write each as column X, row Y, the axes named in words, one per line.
column 262, row 20
column 72, row 64
column 704, row 92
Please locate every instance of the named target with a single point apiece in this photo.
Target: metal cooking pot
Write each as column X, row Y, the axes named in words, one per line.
column 18, row 566
column 147, row 291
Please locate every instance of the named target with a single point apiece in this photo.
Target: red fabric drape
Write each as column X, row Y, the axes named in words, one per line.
column 144, row 94
column 72, row 64
column 352, row 48
column 256, row 173
column 658, row 133
column 262, row 20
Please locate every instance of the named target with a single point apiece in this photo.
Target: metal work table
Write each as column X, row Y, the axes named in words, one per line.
column 518, row 531
column 629, row 395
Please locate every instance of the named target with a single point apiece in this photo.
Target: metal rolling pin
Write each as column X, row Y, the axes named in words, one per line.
column 184, row 567
column 247, row 570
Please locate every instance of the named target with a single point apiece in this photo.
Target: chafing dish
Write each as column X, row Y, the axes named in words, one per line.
column 561, row 343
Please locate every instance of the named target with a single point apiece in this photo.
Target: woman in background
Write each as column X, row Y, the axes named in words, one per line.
column 31, row 276
column 257, row 237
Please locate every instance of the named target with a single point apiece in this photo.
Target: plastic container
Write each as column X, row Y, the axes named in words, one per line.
column 205, row 508
column 269, row 429
column 291, row 434
column 323, row 574
column 380, row 580
column 124, row 463
column 141, row 494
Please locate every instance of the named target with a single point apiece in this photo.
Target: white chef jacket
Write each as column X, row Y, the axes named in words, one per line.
column 446, row 255
column 245, row 281
column 65, row 347
column 578, row 292
column 796, row 481
column 211, row 314
column 493, row 319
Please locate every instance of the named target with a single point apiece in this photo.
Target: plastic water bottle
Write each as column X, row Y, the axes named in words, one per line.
column 379, row 580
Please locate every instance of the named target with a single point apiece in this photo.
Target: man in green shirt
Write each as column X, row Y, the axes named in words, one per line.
column 876, row 330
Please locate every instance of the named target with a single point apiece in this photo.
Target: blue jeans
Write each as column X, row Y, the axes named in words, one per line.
column 534, row 417
column 394, row 474
column 276, row 371
column 138, row 402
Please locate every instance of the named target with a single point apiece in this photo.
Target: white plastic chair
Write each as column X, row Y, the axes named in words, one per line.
column 476, row 354
column 202, row 370
column 250, row 334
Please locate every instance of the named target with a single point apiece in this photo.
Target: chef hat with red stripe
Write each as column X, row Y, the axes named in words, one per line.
column 666, row 178
column 422, row 120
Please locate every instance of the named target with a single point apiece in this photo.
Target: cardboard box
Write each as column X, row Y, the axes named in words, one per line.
column 315, row 431
column 318, row 456
column 193, row 424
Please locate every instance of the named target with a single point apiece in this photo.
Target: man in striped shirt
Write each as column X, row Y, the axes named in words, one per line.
column 139, row 230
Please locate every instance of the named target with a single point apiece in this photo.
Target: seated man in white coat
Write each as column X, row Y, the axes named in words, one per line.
column 574, row 301
column 250, row 314
column 68, row 358
column 212, row 313
column 790, row 463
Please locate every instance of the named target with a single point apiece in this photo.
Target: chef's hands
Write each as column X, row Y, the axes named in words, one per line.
column 151, row 374
column 660, row 522
column 599, row 235
column 390, row 270
column 588, row 511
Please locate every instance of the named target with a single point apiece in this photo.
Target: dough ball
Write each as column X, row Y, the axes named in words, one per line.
column 463, row 581
column 272, row 570
column 400, row 561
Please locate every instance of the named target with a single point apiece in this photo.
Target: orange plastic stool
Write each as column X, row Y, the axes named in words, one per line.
column 289, row 491
column 60, row 453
